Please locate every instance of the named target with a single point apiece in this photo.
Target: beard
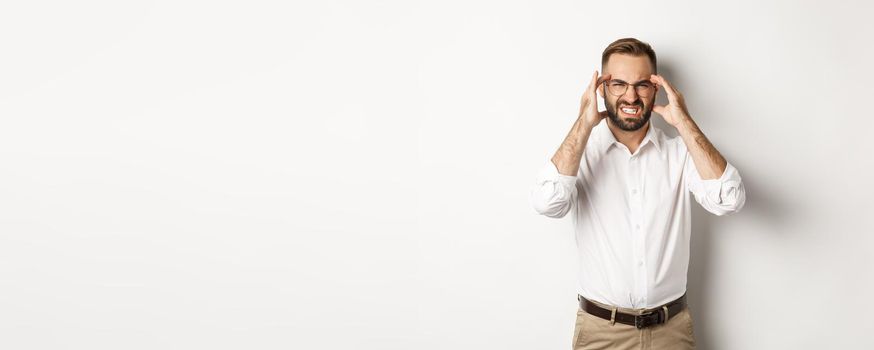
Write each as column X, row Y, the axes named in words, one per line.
column 629, row 124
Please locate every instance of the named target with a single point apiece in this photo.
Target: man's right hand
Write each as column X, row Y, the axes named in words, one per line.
column 589, row 103
column 567, row 158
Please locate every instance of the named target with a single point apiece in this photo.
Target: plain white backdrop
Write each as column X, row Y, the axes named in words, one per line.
column 354, row 175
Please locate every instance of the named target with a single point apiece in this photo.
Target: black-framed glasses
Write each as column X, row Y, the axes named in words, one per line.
column 618, row 87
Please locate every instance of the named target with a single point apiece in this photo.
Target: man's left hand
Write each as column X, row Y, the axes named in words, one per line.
column 675, row 112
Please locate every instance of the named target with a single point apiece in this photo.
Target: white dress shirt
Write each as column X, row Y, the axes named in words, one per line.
column 631, row 215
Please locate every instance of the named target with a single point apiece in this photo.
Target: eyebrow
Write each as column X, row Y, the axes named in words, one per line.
column 638, row 82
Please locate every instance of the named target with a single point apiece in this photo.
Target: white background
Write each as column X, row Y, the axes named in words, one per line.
column 355, row 175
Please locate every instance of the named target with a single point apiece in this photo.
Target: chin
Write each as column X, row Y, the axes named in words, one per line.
column 631, row 124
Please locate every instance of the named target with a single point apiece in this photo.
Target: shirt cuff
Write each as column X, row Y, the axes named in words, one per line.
column 549, row 172
column 717, row 190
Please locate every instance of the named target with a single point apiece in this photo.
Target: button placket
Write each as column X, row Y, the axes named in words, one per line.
column 639, row 247
column 637, row 236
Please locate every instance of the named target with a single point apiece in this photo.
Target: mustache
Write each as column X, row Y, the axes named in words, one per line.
column 637, row 103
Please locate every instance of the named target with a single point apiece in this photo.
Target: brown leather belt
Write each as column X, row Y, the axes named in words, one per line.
column 657, row 316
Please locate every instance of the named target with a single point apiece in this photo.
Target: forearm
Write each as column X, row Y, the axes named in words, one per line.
column 708, row 161
column 567, row 158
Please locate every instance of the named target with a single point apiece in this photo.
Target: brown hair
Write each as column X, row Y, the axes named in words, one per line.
column 629, row 46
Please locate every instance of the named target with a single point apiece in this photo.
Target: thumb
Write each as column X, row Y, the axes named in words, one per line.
column 659, row 109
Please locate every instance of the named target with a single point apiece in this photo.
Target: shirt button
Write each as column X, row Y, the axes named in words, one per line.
column 637, row 227
column 634, row 191
column 640, row 263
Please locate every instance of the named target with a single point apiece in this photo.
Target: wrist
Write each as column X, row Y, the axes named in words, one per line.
column 685, row 124
column 586, row 123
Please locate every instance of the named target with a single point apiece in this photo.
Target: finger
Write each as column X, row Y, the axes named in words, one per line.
column 584, row 98
column 592, row 82
column 604, row 78
column 672, row 93
column 589, row 96
column 659, row 109
column 600, row 81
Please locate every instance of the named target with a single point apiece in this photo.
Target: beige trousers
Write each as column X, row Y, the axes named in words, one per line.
column 592, row 332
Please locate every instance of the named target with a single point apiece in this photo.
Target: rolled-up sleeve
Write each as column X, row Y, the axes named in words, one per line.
column 721, row 196
column 554, row 193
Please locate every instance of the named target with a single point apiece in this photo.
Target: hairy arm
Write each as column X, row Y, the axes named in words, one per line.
column 708, row 161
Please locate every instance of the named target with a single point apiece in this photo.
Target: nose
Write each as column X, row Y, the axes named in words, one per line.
column 630, row 95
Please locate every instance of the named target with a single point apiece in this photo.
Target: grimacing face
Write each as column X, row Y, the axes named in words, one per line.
column 631, row 69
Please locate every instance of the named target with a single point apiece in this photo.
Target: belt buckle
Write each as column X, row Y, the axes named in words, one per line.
column 646, row 320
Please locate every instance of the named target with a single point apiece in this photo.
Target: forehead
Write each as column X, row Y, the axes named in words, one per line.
column 628, row 68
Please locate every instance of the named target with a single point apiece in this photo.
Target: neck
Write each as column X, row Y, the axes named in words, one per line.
column 626, row 137
column 630, row 139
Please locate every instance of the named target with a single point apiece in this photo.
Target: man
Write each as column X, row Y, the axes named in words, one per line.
column 627, row 186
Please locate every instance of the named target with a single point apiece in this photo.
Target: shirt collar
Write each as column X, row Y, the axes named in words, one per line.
column 607, row 139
